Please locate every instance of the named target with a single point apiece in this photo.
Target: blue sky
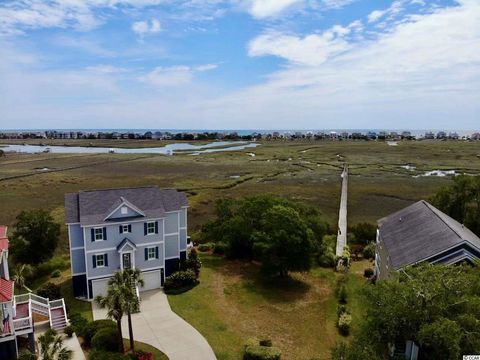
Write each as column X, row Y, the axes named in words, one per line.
column 240, row 64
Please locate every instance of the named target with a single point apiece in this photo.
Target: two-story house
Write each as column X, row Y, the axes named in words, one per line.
column 113, row 229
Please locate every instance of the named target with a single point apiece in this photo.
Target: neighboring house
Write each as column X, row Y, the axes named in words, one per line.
column 419, row 233
column 16, row 320
column 113, row 229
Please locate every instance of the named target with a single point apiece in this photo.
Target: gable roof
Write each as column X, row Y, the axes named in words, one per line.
column 126, row 242
column 93, row 207
column 421, row 231
column 123, row 202
column 6, row 290
column 3, row 238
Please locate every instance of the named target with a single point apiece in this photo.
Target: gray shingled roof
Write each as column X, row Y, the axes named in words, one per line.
column 421, row 231
column 92, row 207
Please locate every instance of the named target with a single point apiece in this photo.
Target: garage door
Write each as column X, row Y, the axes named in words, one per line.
column 99, row 287
column 152, row 280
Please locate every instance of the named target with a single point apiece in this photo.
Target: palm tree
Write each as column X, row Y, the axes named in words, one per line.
column 126, row 281
column 51, row 347
column 114, row 301
column 20, row 274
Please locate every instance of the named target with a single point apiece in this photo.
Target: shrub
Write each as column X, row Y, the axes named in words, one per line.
column 106, row 339
column 341, row 308
column 104, row 355
column 342, row 295
column 254, row 350
column 78, row 323
column 180, row 280
column 50, row 291
column 206, row 247
column 220, row 248
column 94, row 326
column 369, row 251
column 192, row 263
column 26, row 355
column 368, row 273
column 344, row 321
column 69, row 331
column 55, row 274
column 50, row 266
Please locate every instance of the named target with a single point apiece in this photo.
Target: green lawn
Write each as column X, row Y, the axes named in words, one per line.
column 232, row 303
column 139, row 346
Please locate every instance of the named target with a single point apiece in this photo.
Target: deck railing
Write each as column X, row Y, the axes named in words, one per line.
column 56, row 304
column 21, row 324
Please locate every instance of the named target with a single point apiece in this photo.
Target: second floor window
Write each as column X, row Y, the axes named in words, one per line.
column 150, row 228
column 152, row 254
column 99, row 234
column 126, row 229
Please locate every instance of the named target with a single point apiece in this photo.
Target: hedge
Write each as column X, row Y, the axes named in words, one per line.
column 256, row 349
column 106, row 339
column 94, row 326
column 180, row 280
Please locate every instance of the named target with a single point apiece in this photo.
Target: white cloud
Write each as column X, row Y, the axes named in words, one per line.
column 266, row 8
column 145, row 27
column 310, row 50
column 174, row 76
column 375, row 15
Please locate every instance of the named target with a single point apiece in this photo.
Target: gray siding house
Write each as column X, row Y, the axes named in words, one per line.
column 113, row 229
column 421, row 232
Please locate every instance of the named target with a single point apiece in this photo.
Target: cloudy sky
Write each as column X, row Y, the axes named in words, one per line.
column 240, row 64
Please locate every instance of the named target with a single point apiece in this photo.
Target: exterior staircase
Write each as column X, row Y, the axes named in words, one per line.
column 54, row 310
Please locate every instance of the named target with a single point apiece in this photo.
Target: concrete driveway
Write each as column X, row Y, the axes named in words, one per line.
column 159, row 326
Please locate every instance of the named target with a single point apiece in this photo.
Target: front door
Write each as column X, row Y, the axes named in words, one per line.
column 127, row 260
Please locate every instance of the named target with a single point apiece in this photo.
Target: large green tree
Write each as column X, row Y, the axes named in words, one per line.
column 35, row 237
column 461, row 200
column 284, row 242
column 436, row 306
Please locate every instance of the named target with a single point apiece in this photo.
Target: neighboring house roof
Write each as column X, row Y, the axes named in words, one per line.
column 6, row 290
column 92, row 207
column 421, row 231
column 3, row 238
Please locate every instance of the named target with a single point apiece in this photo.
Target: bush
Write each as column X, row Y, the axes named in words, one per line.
column 50, row 291
column 368, row 273
column 341, row 308
column 69, row 331
column 78, row 324
column 342, row 295
column 94, row 326
column 220, row 248
column 364, row 233
column 369, row 251
column 344, row 321
column 180, row 280
column 192, row 263
column 106, row 339
column 104, row 355
column 206, row 247
column 57, row 273
column 50, row 266
column 254, row 350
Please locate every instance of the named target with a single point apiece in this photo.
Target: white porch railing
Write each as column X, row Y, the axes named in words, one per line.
column 21, row 324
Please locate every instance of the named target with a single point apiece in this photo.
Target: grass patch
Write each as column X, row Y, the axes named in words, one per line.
column 139, row 346
column 298, row 313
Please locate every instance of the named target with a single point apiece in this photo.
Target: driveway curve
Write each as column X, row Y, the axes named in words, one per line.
column 157, row 325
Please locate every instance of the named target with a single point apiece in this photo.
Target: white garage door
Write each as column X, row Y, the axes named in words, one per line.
column 151, row 279
column 99, row 287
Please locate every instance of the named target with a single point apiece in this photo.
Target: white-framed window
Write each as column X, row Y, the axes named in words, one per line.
column 98, row 234
column 125, row 228
column 124, row 210
column 150, row 228
column 100, row 260
column 151, row 253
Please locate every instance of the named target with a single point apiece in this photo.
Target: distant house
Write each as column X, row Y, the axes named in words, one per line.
column 113, row 229
column 419, row 233
column 17, row 311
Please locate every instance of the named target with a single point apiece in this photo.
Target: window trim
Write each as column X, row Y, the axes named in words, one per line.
column 101, row 234
column 103, row 260
column 148, row 228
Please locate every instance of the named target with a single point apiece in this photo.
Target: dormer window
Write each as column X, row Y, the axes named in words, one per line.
column 124, row 210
